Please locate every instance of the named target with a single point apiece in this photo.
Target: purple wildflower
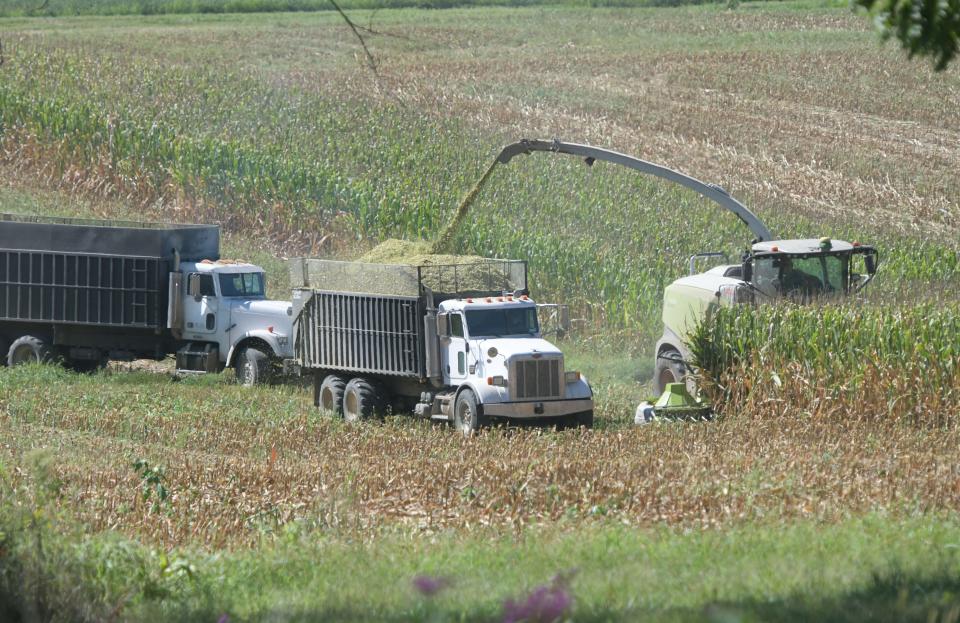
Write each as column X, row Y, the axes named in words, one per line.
column 224, row 618
column 429, row 586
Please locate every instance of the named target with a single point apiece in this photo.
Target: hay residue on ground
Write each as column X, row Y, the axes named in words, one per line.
column 393, row 251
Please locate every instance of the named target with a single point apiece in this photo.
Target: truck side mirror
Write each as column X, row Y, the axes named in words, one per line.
column 443, row 325
column 870, row 261
column 747, row 272
column 193, row 286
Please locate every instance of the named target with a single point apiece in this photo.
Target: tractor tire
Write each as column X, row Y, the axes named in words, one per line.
column 669, row 369
column 29, row 349
column 330, row 396
column 362, row 400
column 252, row 366
column 467, row 416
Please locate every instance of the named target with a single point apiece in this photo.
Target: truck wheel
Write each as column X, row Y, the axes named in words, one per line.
column 331, row 394
column 466, row 413
column 669, row 369
column 252, row 366
column 361, row 400
column 29, row 349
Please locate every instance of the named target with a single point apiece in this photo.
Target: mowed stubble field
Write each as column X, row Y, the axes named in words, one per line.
column 272, row 125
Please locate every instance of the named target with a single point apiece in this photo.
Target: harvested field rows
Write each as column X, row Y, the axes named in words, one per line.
column 236, row 472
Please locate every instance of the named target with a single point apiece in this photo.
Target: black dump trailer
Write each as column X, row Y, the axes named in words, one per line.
column 85, row 290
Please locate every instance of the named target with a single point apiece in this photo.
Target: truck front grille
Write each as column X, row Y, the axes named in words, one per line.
column 537, row 378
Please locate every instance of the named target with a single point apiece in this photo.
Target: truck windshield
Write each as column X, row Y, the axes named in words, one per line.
column 801, row 275
column 241, row 284
column 502, row 321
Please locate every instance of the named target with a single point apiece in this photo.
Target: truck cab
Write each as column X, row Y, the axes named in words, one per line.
column 226, row 320
column 493, row 347
column 800, row 271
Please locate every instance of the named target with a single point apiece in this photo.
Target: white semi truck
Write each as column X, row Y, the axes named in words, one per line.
column 457, row 343
column 86, row 291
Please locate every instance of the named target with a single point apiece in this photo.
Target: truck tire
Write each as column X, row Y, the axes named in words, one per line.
column 467, row 417
column 29, row 349
column 362, row 400
column 669, row 369
column 330, row 397
column 252, row 366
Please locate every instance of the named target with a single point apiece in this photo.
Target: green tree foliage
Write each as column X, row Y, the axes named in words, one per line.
column 925, row 27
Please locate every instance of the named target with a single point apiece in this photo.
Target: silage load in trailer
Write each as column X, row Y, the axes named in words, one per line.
column 481, row 277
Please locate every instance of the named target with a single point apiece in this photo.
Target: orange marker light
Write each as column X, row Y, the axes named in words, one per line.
column 775, row 249
column 856, row 243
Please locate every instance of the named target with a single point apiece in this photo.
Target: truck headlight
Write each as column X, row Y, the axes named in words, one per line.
column 571, row 377
column 499, row 381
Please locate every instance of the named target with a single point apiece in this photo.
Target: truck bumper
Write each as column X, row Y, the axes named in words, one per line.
column 537, row 409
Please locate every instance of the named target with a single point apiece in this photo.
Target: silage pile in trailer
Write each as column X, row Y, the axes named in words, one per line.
column 444, row 273
column 400, row 267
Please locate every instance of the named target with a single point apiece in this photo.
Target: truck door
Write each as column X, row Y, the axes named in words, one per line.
column 454, row 351
column 200, row 315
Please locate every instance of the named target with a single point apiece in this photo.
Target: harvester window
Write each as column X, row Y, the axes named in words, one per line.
column 808, row 275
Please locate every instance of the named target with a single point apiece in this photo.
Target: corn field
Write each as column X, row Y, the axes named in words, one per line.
column 895, row 363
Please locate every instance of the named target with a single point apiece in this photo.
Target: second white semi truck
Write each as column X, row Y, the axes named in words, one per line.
column 86, row 291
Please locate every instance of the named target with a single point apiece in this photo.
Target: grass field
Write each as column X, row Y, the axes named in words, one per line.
column 828, row 490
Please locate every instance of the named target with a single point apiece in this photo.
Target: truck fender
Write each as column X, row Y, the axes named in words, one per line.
column 579, row 390
column 260, row 336
column 484, row 393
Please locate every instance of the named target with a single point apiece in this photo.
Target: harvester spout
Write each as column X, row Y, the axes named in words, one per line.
column 591, row 154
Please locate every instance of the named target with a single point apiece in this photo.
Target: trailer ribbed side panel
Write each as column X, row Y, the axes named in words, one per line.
column 85, row 289
column 362, row 333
